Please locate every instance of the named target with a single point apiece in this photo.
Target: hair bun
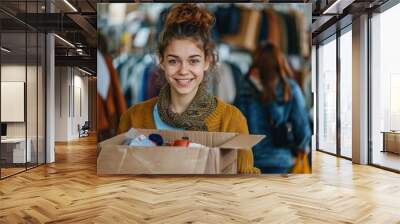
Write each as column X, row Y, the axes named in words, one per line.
column 189, row 13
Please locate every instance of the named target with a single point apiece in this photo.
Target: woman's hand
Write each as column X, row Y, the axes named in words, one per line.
column 245, row 162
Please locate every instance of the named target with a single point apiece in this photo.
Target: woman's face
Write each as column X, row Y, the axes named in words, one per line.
column 184, row 64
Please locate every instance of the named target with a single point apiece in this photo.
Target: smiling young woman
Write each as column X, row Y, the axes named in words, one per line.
column 184, row 65
column 186, row 54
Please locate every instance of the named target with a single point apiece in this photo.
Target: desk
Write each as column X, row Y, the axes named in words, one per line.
column 391, row 141
column 13, row 150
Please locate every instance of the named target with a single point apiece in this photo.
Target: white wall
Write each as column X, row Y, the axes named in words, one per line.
column 12, row 73
column 80, row 100
column 61, row 103
column 71, row 93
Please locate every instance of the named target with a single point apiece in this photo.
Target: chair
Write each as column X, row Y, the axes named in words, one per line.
column 84, row 130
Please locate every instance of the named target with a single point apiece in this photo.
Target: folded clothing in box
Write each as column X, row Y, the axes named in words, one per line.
column 134, row 138
column 219, row 156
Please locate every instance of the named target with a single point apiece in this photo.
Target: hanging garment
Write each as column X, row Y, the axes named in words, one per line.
column 155, row 82
column 112, row 106
column 284, row 32
column 160, row 22
column 294, row 42
column 125, row 70
column 237, row 76
column 263, row 27
column 103, row 77
column 225, row 87
column 102, row 114
column 227, row 19
column 274, row 29
column 248, row 34
column 135, row 82
column 304, row 39
column 145, row 80
column 241, row 59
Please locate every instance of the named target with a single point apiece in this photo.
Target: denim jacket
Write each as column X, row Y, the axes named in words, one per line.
column 258, row 115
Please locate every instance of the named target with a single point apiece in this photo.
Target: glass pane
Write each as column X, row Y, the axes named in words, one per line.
column 23, row 83
column 31, row 97
column 385, row 89
column 31, row 85
column 346, row 94
column 41, row 99
column 327, row 97
column 13, row 86
column 314, row 90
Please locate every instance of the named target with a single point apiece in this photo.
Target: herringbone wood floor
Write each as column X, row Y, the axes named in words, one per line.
column 70, row 192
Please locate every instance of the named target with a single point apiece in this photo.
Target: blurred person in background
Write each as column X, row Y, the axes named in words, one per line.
column 274, row 105
column 186, row 55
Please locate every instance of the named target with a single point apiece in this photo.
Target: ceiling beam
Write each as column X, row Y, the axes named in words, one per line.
column 321, row 21
column 86, row 26
column 81, row 61
column 337, row 7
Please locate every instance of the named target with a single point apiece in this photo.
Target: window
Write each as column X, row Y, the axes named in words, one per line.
column 327, row 96
column 346, row 94
column 385, row 85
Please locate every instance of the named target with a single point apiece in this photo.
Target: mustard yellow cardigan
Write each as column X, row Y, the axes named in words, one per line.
column 225, row 118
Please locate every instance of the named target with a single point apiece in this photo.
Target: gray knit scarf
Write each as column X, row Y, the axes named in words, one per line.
column 202, row 105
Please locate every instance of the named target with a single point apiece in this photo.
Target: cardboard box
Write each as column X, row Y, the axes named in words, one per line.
column 219, row 157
